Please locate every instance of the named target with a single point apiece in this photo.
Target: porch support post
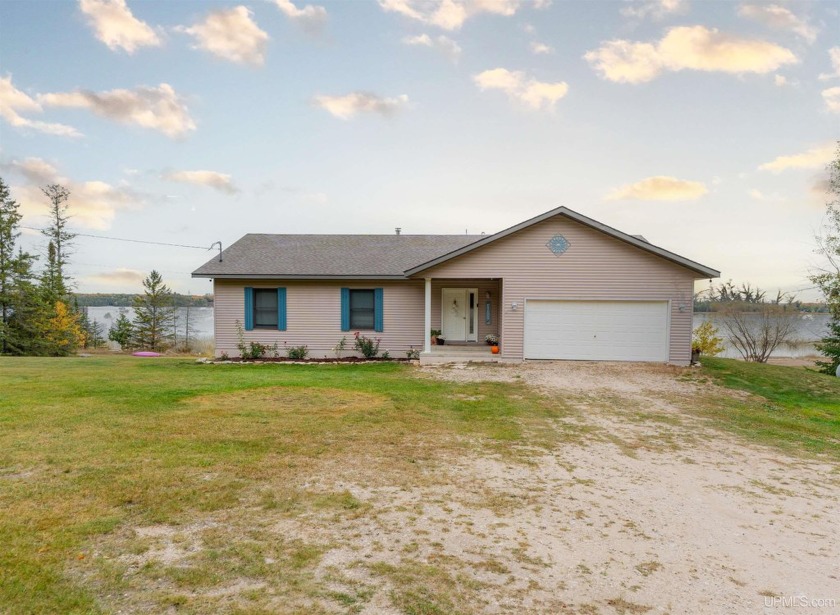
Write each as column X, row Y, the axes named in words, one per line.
column 427, row 318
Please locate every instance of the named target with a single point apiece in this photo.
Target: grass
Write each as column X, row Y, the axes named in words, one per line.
column 93, row 450
column 795, row 409
column 149, row 485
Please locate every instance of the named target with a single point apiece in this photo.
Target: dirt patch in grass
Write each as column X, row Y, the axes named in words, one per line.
column 545, row 488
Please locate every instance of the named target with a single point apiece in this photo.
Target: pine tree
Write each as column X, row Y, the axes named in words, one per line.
column 154, row 315
column 95, row 335
column 122, row 332
column 828, row 279
column 55, row 281
column 9, row 221
column 29, row 321
column 23, row 315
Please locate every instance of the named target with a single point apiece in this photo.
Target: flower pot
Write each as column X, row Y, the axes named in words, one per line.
column 494, row 350
column 695, row 356
column 441, row 341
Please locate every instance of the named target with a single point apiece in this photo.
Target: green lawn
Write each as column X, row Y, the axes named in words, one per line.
column 104, row 459
column 791, row 408
column 90, row 446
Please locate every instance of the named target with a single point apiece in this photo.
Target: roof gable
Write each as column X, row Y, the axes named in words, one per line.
column 634, row 240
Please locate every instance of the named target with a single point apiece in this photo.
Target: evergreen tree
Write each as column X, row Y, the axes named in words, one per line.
column 55, row 282
column 95, row 339
column 828, row 279
column 122, row 332
column 9, row 221
column 154, row 315
column 23, row 315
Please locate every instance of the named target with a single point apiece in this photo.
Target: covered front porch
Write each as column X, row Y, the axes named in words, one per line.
column 464, row 312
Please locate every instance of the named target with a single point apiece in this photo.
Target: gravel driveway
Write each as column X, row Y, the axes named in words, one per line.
column 666, row 515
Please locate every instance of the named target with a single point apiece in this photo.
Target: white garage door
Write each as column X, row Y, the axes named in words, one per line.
column 596, row 330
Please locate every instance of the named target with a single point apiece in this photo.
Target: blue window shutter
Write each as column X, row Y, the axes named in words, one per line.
column 378, row 308
column 345, row 309
column 249, row 308
column 281, row 309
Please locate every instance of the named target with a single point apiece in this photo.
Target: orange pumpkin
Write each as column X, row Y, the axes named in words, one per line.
column 494, row 349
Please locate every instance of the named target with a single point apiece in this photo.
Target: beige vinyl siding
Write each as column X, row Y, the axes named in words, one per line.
column 595, row 267
column 313, row 316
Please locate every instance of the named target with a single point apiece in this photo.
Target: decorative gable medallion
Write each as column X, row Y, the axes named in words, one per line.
column 558, row 244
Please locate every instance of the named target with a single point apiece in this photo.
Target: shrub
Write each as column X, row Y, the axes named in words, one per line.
column 340, row 346
column 369, row 347
column 256, row 351
column 755, row 335
column 241, row 345
column 298, row 352
column 706, row 340
column 413, row 353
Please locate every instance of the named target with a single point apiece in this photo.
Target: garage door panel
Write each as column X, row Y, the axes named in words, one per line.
column 596, row 330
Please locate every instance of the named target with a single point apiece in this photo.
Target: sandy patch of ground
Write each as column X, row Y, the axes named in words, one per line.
column 645, row 508
column 706, row 524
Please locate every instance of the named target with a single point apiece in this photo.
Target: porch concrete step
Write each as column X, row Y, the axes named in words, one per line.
column 458, row 357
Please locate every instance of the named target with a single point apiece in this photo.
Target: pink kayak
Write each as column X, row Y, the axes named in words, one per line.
column 145, row 353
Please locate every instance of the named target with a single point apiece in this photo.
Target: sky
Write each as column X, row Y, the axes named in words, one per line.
column 704, row 126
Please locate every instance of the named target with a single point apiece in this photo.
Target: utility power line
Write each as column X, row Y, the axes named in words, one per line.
column 153, row 243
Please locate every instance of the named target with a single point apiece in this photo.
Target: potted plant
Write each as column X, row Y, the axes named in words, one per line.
column 441, row 340
column 434, row 335
column 491, row 339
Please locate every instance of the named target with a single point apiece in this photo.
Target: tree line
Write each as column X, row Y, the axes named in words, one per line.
column 40, row 316
column 127, row 300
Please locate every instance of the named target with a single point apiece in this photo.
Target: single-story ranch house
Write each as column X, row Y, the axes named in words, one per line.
column 557, row 286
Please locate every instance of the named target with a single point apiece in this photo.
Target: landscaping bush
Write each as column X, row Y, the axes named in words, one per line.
column 298, row 352
column 369, row 347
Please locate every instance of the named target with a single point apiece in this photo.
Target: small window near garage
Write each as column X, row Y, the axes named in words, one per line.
column 265, row 307
column 362, row 309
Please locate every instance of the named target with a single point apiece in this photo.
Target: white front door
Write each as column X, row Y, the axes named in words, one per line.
column 459, row 314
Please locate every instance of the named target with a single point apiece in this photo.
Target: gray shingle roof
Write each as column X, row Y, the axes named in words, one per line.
column 311, row 256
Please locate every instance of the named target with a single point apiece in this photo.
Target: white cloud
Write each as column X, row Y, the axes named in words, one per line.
column 231, row 35
column 834, row 56
column 157, row 108
column 779, row 18
column 780, row 80
column 542, row 4
column 810, row 159
column 519, row 86
column 441, row 43
column 655, row 9
column 311, row 17
column 117, row 277
column 757, row 195
column 13, row 102
column 218, row 181
column 659, row 188
column 349, row 105
column 93, row 204
column 686, row 48
column 117, row 27
column 448, row 14
column 541, row 48
column 831, row 96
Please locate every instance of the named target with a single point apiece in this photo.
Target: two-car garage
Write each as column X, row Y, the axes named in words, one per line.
column 596, row 330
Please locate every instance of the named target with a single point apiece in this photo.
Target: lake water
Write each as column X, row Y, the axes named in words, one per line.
column 201, row 319
column 809, row 328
